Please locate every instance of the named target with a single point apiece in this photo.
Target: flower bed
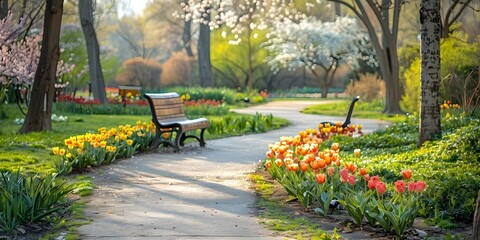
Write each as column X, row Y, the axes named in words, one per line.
column 320, row 177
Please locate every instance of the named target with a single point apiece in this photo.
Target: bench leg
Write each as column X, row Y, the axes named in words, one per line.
column 177, row 141
column 202, row 140
column 156, row 140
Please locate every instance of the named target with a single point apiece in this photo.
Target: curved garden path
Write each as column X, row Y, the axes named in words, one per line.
column 199, row 193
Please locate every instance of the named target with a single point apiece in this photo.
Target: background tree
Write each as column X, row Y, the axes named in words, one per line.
column 40, row 110
column 430, row 71
column 452, row 10
column 85, row 9
column 320, row 47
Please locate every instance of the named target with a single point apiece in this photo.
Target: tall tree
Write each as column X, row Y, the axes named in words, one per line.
column 203, row 48
column 40, row 110
column 85, row 9
column 187, row 34
column 430, row 21
column 3, row 8
column 386, row 46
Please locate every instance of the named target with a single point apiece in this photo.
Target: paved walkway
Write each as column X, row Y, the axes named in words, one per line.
column 199, row 193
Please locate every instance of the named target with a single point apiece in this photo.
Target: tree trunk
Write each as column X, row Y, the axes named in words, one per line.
column 3, row 8
column 85, row 8
column 476, row 220
column 187, row 35
column 430, row 71
column 40, row 109
column 338, row 10
column 249, row 81
column 204, row 62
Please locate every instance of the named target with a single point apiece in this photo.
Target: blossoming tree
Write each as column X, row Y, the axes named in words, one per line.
column 317, row 46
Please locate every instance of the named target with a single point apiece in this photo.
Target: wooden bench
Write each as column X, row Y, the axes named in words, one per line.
column 349, row 114
column 169, row 118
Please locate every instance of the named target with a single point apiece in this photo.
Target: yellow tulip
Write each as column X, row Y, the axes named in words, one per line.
column 55, row 150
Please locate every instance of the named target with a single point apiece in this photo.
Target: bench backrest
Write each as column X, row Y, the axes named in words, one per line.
column 165, row 106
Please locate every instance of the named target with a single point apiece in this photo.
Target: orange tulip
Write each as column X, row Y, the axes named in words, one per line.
column 268, row 164
column 337, row 162
column 321, row 163
column 279, row 162
column 363, row 171
column 407, row 173
column 400, row 186
column 320, row 178
column 331, row 170
column 293, row 167
column 335, row 146
column 303, row 166
column 356, row 152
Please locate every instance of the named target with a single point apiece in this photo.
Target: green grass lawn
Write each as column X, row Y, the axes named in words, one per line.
column 340, row 107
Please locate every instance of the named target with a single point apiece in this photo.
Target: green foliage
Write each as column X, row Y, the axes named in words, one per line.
column 29, row 199
column 458, row 59
column 231, row 60
column 241, row 124
column 117, row 109
column 411, row 98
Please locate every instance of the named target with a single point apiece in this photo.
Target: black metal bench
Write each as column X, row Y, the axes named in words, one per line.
column 169, row 118
column 349, row 114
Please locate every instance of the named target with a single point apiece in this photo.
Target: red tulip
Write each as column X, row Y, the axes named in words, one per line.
column 381, row 188
column 420, row 186
column 363, row 171
column 320, row 178
column 344, row 174
column 407, row 173
column 411, row 186
column 366, row 177
column 351, row 180
column 400, row 186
